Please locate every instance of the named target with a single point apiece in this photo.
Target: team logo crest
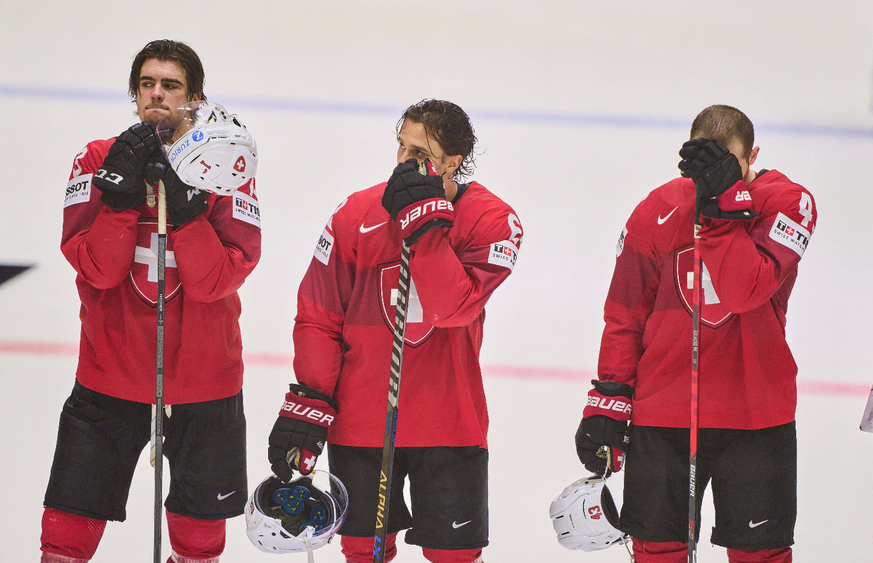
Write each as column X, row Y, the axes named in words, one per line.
column 240, row 165
column 417, row 331
column 144, row 271
column 712, row 312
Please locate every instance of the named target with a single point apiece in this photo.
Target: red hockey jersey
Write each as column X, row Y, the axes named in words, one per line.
column 345, row 317
column 747, row 372
column 114, row 254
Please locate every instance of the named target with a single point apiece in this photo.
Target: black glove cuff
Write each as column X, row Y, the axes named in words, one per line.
column 120, row 201
column 308, row 392
column 613, row 388
column 711, row 210
column 179, row 217
column 410, row 240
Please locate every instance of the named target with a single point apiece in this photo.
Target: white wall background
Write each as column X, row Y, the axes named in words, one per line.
column 580, row 108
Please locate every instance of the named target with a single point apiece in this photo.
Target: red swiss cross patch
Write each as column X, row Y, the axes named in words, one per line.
column 240, row 165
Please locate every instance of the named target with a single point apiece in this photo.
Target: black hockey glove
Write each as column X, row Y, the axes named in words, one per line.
column 184, row 203
column 300, row 432
column 416, row 198
column 120, row 178
column 602, row 438
column 720, row 191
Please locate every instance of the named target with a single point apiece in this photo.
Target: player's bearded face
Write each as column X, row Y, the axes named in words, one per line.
column 162, row 89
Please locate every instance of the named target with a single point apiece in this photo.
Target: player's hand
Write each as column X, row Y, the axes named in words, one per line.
column 120, row 178
column 184, row 203
column 720, row 191
column 300, row 432
column 417, row 201
column 602, row 438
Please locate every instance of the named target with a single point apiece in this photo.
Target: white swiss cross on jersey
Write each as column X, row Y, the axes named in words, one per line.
column 144, row 270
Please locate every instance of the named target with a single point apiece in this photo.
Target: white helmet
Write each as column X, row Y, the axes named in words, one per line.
column 215, row 153
column 584, row 516
column 297, row 516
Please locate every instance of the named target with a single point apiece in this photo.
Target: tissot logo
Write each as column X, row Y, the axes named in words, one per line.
column 792, row 233
column 503, row 253
column 78, row 190
column 246, row 208
column 74, row 187
column 788, row 233
column 324, row 247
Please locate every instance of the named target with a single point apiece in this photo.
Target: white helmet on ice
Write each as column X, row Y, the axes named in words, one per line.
column 215, row 153
column 584, row 516
column 298, row 516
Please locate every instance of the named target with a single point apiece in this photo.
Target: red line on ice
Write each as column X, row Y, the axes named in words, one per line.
column 807, row 387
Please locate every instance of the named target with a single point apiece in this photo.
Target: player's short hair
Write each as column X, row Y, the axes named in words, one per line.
column 448, row 125
column 724, row 123
column 173, row 51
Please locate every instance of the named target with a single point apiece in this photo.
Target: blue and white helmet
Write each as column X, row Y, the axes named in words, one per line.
column 212, row 150
column 298, row 516
column 584, row 516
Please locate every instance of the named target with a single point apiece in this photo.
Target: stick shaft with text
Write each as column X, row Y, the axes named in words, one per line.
column 387, row 472
column 391, row 416
column 157, row 447
column 693, row 516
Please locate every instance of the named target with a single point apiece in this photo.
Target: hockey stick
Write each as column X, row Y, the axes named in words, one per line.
column 693, row 516
column 157, row 449
column 391, row 416
column 867, row 419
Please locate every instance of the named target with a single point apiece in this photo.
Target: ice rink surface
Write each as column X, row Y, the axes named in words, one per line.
column 580, row 109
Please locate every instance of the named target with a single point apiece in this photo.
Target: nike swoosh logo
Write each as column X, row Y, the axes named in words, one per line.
column 662, row 221
column 222, row 497
column 455, row 525
column 756, row 524
column 368, row 229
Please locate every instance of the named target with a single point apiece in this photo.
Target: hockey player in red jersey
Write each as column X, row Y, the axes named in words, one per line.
column 463, row 247
column 109, row 237
column 755, row 229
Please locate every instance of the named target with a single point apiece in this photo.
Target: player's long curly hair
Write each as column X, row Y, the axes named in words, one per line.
column 173, row 51
column 448, row 125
